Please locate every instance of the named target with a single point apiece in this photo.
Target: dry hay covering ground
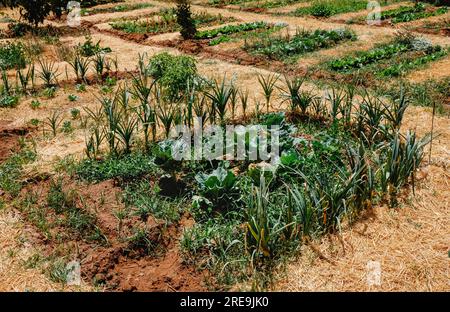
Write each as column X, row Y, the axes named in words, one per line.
column 411, row 242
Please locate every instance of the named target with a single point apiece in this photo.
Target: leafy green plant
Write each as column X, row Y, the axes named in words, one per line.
column 67, row 127
column 88, row 48
column 75, row 113
column 185, row 20
column 72, row 97
column 173, row 72
column 35, row 104
column 399, row 161
column 220, row 95
column 12, row 55
column 217, row 186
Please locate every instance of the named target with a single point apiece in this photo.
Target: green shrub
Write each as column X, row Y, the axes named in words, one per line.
column 88, row 48
column 130, row 167
column 302, row 42
column 173, row 72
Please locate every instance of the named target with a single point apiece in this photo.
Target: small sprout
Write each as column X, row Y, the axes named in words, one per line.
column 35, row 104
column 67, row 127
column 73, row 97
column 49, row 92
column 80, row 87
column 110, row 81
column 34, row 122
column 75, row 113
column 106, row 89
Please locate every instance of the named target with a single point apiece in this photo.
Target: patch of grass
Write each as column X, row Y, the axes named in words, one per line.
column 167, row 22
column 405, row 14
column 77, row 219
column 12, row 55
column 57, row 271
column 11, row 170
column 126, row 7
column 145, row 199
column 89, row 48
column 129, row 167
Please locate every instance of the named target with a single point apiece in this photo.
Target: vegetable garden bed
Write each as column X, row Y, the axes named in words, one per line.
column 117, row 8
column 392, row 59
column 165, row 21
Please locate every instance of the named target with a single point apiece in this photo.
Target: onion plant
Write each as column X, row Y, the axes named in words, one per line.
column 220, row 95
column 268, row 85
column 243, row 97
column 48, row 73
column 395, row 111
column 398, row 162
column 53, row 121
column 142, row 90
column 25, row 77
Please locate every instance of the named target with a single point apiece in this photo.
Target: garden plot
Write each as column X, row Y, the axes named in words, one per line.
column 117, row 8
column 393, row 59
column 163, row 21
column 436, row 26
column 98, row 180
column 404, row 14
column 101, row 16
column 321, row 9
column 269, row 5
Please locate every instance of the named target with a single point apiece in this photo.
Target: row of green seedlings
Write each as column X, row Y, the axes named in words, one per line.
column 327, row 8
column 226, row 2
column 25, row 82
column 166, row 21
column 411, row 51
column 405, row 14
column 117, row 120
column 269, row 4
column 25, row 79
column 224, row 34
column 281, row 46
column 435, row 27
column 317, row 206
